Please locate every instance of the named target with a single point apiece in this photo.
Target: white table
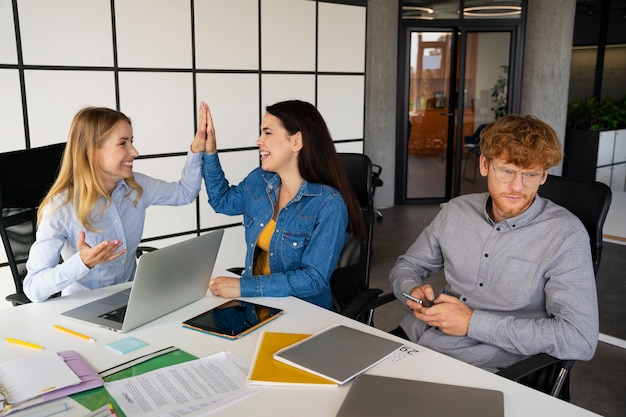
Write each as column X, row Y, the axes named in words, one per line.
column 34, row 323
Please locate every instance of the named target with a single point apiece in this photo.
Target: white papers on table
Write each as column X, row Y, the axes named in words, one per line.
column 196, row 387
column 32, row 376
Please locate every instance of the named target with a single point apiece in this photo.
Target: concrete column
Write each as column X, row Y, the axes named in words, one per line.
column 380, row 93
column 547, row 62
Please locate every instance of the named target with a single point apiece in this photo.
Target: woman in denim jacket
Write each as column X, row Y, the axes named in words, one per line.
column 297, row 208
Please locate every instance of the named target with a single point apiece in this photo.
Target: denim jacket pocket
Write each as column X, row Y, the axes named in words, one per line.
column 293, row 245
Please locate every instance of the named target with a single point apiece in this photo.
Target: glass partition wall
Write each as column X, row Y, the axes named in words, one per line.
column 456, row 76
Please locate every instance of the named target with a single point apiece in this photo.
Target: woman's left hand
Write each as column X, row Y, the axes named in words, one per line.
column 225, row 287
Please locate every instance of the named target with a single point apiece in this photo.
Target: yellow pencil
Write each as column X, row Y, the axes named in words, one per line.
column 23, row 343
column 72, row 332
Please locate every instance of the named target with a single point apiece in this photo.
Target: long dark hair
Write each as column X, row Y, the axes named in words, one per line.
column 318, row 161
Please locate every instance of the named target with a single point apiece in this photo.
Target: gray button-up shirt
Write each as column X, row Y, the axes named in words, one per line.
column 529, row 280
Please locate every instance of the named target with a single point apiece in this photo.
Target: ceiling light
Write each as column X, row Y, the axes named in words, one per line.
column 418, row 9
column 492, row 11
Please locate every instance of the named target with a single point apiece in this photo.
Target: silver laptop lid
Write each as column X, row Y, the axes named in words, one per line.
column 171, row 277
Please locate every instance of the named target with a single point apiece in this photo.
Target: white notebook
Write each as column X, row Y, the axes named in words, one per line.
column 338, row 353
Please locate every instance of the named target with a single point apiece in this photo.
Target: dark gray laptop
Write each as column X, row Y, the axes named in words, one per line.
column 378, row 396
column 165, row 280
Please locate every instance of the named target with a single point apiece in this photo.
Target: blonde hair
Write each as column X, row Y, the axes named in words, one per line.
column 79, row 177
column 521, row 140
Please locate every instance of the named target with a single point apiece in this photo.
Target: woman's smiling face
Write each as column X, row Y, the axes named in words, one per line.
column 116, row 156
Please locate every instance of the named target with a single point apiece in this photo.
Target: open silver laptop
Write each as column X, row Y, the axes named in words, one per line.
column 165, row 280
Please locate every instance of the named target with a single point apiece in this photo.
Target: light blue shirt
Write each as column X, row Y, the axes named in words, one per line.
column 58, row 232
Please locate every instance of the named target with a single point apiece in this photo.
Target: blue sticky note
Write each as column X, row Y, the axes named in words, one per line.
column 128, row 344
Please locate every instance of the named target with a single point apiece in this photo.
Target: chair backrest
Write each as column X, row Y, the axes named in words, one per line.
column 25, row 178
column 588, row 200
column 352, row 273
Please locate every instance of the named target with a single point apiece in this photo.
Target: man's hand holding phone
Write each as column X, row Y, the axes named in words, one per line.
column 421, row 299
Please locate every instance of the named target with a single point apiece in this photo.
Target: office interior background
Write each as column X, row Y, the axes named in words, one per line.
column 156, row 59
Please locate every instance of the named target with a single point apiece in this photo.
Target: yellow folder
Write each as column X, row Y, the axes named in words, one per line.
column 266, row 370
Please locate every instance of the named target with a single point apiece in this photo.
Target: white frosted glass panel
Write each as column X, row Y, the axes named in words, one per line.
column 288, row 35
column 163, row 220
column 236, row 166
column 605, row 147
column 280, row 87
column 8, row 51
column 154, row 33
column 340, row 101
column 11, row 119
column 349, row 147
column 161, row 108
column 233, row 99
column 341, row 38
column 54, row 97
column 66, row 32
column 619, row 154
column 227, row 34
column 618, row 177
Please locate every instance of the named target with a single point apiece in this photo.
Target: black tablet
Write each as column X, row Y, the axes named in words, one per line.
column 233, row 319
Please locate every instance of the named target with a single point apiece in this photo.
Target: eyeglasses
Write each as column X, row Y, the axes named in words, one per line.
column 529, row 179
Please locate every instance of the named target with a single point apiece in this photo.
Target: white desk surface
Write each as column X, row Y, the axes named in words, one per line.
column 34, row 323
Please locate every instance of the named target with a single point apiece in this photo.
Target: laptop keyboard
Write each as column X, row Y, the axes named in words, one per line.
column 115, row 315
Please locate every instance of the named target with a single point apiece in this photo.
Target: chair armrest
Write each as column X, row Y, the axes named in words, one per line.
column 17, row 299
column 143, row 249
column 357, row 305
column 238, row 270
column 530, row 365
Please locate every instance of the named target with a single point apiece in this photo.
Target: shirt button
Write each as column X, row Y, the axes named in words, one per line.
column 271, row 253
column 464, row 299
column 498, row 229
column 262, row 225
column 481, row 284
column 486, row 255
column 294, row 244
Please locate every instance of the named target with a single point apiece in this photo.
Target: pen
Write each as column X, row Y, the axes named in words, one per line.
column 23, row 343
column 45, row 411
column 105, row 410
column 72, row 332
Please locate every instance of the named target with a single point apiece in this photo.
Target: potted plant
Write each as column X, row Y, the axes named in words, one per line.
column 498, row 94
column 595, row 141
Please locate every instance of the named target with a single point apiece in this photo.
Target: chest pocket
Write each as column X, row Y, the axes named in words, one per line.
column 292, row 248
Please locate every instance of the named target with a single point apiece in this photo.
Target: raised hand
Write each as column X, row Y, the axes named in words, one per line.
column 205, row 135
column 101, row 253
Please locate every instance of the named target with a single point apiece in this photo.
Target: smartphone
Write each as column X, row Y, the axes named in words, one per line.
column 417, row 300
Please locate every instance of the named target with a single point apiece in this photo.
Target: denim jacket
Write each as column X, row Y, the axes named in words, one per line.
column 310, row 232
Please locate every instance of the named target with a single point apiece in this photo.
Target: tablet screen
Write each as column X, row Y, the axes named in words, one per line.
column 233, row 319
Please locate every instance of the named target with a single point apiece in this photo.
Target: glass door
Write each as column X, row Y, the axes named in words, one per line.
column 457, row 82
column 428, row 119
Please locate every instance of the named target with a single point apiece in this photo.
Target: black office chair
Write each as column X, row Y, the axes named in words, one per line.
column 21, row 191
column 377, row 181
column 590, row 202
column 352, row 295
column 472, row 146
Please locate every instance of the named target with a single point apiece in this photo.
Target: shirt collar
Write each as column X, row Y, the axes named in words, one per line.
column 520, row 220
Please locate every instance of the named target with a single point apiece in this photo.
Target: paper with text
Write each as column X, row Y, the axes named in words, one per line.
column 191, row 388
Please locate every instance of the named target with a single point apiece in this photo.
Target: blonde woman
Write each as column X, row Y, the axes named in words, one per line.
column 93, row 216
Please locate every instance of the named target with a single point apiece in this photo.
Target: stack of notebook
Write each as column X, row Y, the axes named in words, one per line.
column 331, row 357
